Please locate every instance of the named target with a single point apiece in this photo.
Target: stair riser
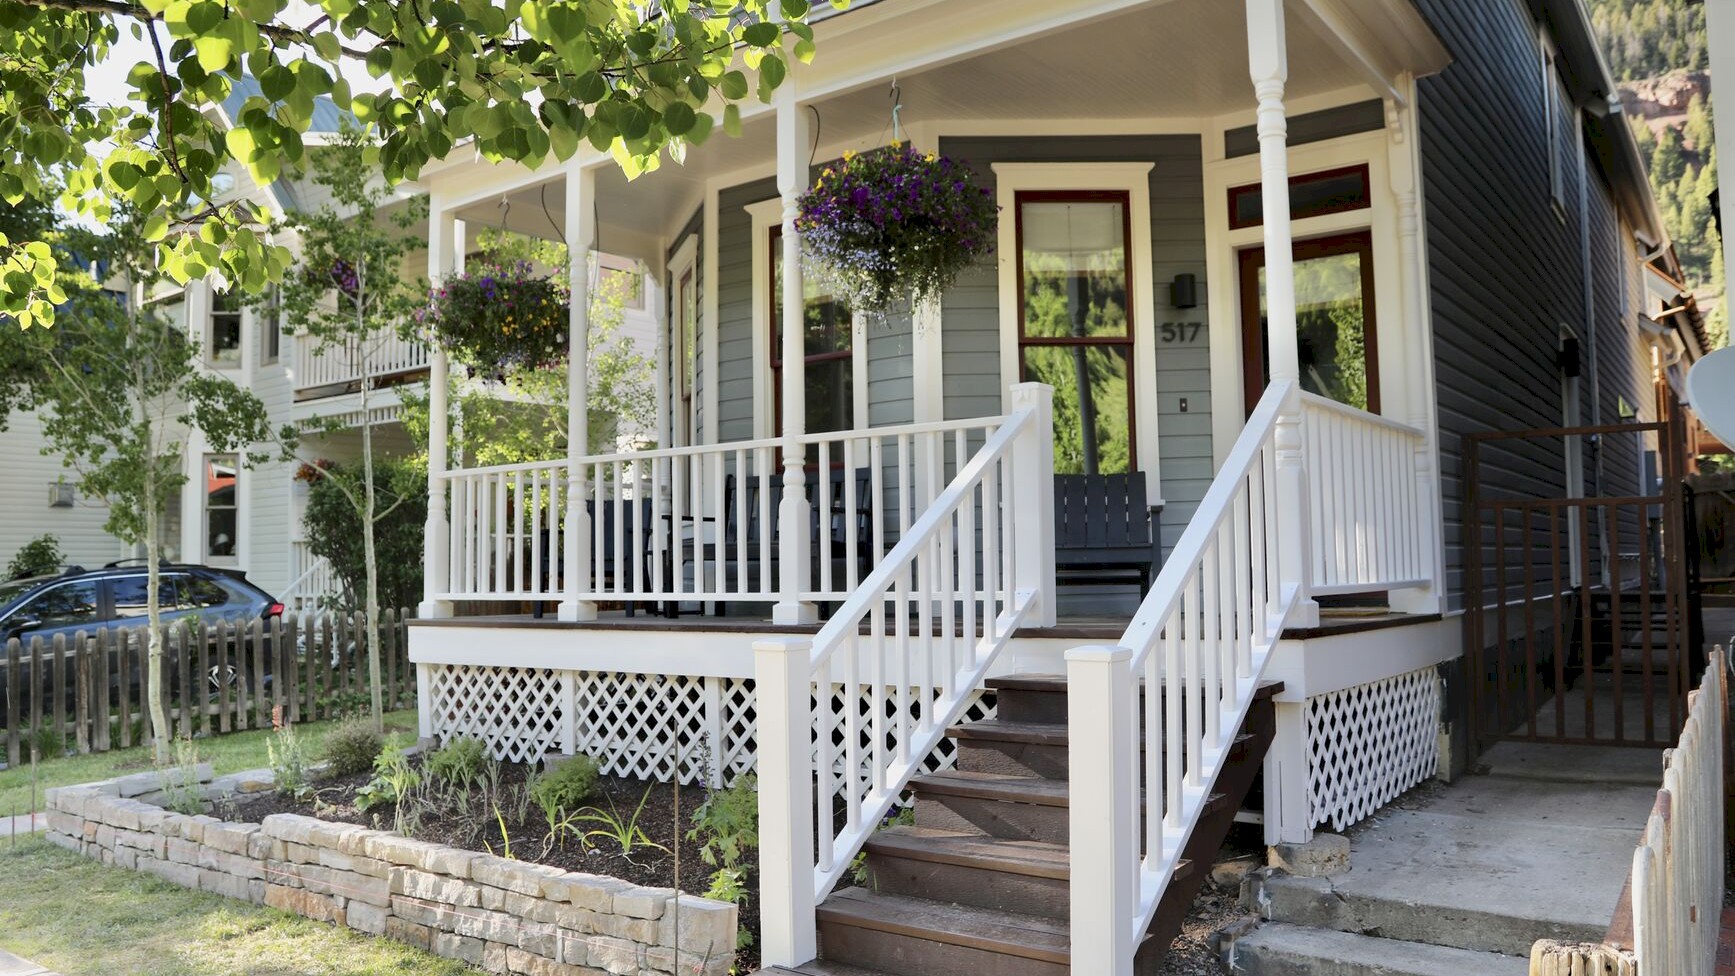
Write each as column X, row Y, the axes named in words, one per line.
column 1012, row 758
column 909, row 956
column 996, row 818
column 1026, row 705
column 979, row 887
column 1317, row 905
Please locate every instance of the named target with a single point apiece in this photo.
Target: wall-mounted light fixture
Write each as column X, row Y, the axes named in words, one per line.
column 60, row 494
column 1184, row 291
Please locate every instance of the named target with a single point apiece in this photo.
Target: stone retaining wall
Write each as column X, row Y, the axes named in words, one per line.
column 502, row 915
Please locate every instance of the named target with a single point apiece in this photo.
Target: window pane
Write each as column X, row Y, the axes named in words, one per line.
column 220, row 520
column 1075, row 268
column 130, row 596
column 1312, row 195
column 830, row 396
column 225, row 330
column 73, row 603
column 1092, row 429
column 204, row 593
column 1331, row 327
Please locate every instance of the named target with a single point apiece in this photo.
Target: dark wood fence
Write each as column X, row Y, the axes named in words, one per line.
column 88, row 692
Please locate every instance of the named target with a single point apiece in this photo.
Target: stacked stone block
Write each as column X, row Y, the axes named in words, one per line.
column 501, row 915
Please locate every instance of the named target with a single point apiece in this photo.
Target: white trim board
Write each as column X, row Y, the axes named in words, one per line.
column 1134, row 180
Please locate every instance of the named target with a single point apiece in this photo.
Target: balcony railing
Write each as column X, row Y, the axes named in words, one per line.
column 319, row 364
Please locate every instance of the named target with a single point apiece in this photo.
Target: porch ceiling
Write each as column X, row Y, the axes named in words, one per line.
column 1170, row 61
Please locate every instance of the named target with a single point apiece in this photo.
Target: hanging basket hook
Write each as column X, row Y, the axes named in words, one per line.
column 897, row 107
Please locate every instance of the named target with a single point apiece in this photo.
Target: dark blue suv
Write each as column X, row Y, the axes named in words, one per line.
column 114, row 597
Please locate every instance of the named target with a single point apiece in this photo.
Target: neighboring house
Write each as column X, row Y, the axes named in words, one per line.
column 1470, row 246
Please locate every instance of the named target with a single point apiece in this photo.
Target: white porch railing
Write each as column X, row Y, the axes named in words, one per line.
column 331, row 364
column 1677, row 882
column 311, row 579
column 1367, row 507
column 927, row 622
column 700, row 524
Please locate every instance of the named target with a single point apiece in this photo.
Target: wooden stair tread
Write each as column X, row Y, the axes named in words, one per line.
column 1057, row 683
column 994, row 786
column 1001, row 730
column 1026, row 936
column 1026, row 857
column 823, row 967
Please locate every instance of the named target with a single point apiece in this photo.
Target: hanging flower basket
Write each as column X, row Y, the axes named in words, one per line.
column 895, row 223
column 499, row 318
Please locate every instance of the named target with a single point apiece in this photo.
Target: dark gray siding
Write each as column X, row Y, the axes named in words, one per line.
column 735, row 308
column 1331, row 123
column 1505, row 267
column 970, row 336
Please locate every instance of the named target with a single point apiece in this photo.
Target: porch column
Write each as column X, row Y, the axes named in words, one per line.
column 1268, row 63
column 445, row 253
column 1413, row 273
column 793, row 548
column 580, row 237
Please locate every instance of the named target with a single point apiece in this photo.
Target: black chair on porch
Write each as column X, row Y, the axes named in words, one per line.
column 759, row 553
column 1103, row 530
column 617, row 569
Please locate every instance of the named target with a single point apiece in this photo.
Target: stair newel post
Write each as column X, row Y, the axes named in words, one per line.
column 794, row 542
column 783, row 673
column 1031, row 488
column 1268, row 64
column 1102, row 757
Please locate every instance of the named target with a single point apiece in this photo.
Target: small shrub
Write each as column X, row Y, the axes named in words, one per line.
column 394, row 781
column 288, row 761
column 48, row 743
column 38, row 557
column 181, row 791
column 568, row 784
column 727, row 824
column 626, row 833
column 458, row 763
column 351, row 747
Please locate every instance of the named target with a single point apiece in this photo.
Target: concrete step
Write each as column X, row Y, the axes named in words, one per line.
column 1320, row 904
column 1277, row 949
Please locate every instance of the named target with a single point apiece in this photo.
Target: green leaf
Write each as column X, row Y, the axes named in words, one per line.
column 277, row 82
column 734, row 85
column 732, row 119
column 214, row 52
column 327, row 46
column 679, row 118
column 761, row 34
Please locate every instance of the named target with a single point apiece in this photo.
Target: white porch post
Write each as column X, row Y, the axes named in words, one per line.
column 580, row 237
column 445, row 253
column 783, row 675
column 794, row 550
column 1268, row 63
column 1403, row 156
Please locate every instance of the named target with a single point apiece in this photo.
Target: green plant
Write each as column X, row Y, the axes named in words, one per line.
column 351, row 747
column 335, row 529
column 728, row 884
column 458, row 763
column 181, row 792
column 505, row 838
column 568, row 784
column 394, row 782
column 895, row 222
column 48, row 742
column 627, row 834
column 727, row 823
column 38, row 557
column 499, row 316
column 288, row 761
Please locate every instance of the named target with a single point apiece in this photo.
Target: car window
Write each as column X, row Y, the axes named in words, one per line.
column 204, row 593
column 130, row 594
column 65, row 605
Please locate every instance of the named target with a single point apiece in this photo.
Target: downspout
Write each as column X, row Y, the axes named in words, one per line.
column 1588, row 330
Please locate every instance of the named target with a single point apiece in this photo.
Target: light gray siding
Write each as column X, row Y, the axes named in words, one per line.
column 735, row 367
column 970, row 335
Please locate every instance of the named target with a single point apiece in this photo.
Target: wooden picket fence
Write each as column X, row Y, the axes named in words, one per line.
column 88, row 693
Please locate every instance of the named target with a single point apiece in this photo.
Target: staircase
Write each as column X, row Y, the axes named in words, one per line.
column 980, row 883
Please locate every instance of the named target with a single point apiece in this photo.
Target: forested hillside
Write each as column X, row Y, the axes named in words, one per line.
column 1656, row 50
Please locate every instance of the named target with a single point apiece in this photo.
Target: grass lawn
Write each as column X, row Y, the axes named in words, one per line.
column 74, row 916
column 226, row 753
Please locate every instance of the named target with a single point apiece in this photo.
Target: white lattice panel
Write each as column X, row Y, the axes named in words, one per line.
column 639, row 725
column 1367, row 744
column 516, row 711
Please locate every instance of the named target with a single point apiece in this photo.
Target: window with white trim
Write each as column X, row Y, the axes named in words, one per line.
column 223, row 346
column 222, row 505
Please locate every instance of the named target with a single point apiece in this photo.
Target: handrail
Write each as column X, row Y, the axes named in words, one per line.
column 1150, row 731
column 1329, row 405
column 910, row 568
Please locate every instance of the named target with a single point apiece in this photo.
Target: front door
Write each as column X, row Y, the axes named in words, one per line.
column 1334, row 320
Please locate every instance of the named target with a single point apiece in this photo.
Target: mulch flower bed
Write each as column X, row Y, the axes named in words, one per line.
column 472, row 825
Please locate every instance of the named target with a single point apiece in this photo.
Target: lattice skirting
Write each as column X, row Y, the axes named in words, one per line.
column 1367, row 744
column 644, row 726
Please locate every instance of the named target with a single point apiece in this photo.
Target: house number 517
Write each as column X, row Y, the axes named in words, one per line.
column 1181, row 331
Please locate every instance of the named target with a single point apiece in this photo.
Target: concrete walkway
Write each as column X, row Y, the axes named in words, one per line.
column 24, row 823
column 11, row 965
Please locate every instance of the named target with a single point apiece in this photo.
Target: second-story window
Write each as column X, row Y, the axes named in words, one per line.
column 224, row 349
column 271, row 329
column 1554, row 121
